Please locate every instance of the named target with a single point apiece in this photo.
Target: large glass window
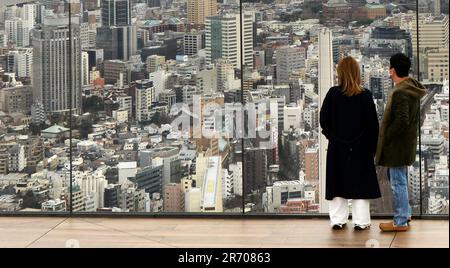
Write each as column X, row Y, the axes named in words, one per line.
column 192, row 106
column 433, row 56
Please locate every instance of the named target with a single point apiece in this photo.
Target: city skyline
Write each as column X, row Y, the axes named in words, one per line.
column 179, row 107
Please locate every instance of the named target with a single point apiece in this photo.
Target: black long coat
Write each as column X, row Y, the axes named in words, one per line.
column 351, row 126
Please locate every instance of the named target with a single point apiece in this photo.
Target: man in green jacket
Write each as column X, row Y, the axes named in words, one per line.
column 398, row 138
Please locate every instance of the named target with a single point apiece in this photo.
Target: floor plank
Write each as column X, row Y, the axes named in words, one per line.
column 206, row 233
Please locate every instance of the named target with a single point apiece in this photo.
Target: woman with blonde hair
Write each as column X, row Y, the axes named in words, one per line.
column 349, row 121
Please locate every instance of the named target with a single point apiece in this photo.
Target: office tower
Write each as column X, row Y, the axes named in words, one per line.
column 17, row 32
column 117, row 37
column 433, row 32
column 149, row 178
column 437, row 64
column 16, row 99
column 198, row 10
column 30, row 14
column 223, row 39
column 192, row 43
column 84, row 35
column 20, row 62
column 247, row 40
column 52, row 79
column 118, row 43
column 84, row 68
column 116, row 12
column 289, row 60
column 312, row 165
column 326, row 81
column 145, row 96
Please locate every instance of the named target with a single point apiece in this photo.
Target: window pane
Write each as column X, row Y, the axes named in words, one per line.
column 297, row 46
column 37, row 58
column 433, row 56
column 152, row 134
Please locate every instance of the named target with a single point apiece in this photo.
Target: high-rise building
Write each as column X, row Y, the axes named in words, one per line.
column 312, row 165
column 145, row 96
column 17, row 32
column 117, row 42
column 116, row 12
column 193, row 42
column 437, row 64
column 117, row 37
column 51, row 41
column 17, row 99
column 433, row 34
column 30, row 13
column 223, row 39
column 198, row 10
column 150, row 179
column 289, row 60
column 84, row 68
column 326, row 81
column 20, row 62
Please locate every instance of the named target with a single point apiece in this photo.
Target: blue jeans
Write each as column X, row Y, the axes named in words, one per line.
column 399, row 185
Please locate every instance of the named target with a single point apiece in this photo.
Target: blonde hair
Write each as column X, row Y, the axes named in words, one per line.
column 349, row 76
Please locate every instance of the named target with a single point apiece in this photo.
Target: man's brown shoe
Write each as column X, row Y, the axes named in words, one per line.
column 390, row 227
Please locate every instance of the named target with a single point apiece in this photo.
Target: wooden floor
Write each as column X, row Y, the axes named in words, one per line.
column 33, row 232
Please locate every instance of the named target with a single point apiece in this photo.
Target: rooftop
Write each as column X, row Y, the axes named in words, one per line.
column 55, row 129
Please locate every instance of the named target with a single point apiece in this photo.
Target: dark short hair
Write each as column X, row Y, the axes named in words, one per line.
column 401, row 64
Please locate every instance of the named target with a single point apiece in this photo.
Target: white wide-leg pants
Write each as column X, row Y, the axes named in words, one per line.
column 339, row 211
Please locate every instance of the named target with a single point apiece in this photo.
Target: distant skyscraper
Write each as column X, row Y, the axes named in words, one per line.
column 433, row 34
column 51, row 77
column 17, row 32
column 117, row 42
column 198, row 10
column 116, row 12
column 223, row 39
column 117, row 37
column 326, row 81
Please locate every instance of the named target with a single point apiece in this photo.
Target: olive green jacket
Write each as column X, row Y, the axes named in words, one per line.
column 399, row 128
